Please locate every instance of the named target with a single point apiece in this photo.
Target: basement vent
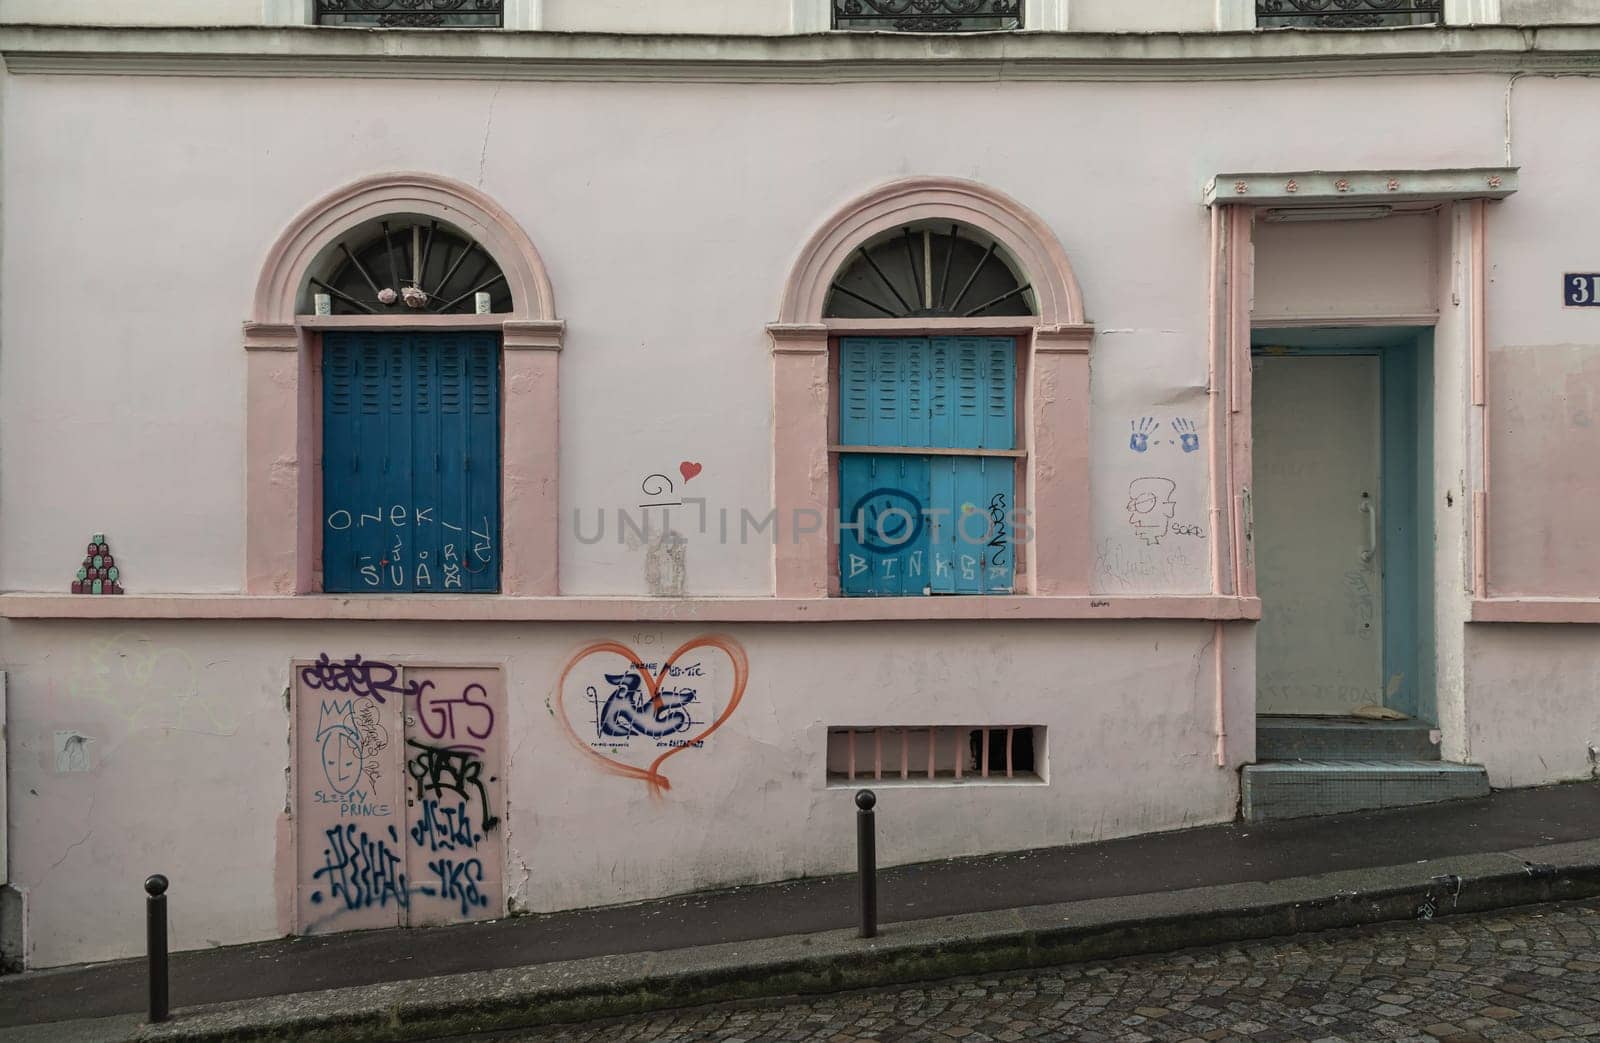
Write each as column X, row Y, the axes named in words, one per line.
column 931, row 755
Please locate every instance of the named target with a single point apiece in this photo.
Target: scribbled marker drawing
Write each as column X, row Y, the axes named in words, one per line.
column 1151, row 507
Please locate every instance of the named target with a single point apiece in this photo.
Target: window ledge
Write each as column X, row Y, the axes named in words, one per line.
column 1536, row 610
column 500, row 608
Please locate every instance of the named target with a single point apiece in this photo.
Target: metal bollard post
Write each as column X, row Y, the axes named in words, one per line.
column 867, row 862
column 156, row 943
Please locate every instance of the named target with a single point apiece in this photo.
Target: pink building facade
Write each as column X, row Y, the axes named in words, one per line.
column 1280, row 344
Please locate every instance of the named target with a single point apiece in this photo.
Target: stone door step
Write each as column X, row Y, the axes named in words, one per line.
column 1343, row 738
column 1297, row 789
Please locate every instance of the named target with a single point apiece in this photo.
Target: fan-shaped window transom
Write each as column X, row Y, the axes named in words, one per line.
column 406, row 264
column 932, row 270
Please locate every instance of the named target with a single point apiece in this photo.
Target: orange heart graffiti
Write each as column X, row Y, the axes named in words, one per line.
column 652, row 775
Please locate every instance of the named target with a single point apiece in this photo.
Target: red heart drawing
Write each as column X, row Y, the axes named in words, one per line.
column 688, row 469
column 652, row 775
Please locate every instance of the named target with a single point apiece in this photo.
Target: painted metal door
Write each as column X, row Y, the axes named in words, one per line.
column 1317, row 516
column 399, row 806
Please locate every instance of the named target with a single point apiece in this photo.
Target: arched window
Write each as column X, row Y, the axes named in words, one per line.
column 930, row 270
column 407, row 263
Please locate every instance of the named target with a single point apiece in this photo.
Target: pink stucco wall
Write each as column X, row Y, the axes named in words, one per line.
column 668, row 216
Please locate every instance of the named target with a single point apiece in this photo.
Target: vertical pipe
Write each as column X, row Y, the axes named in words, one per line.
column 850, row 768
column 156, row 945
column 933, row 738
column 867, row 861
column 1011, row 739
column 984, row 770
column 905, row 753
column 877, row 753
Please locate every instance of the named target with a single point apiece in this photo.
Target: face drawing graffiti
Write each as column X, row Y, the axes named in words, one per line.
column 341, row 760
column 1150, row 507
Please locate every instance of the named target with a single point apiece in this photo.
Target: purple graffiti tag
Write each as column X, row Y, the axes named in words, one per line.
column 367, row 678
column 361, row 871
column 442, row 712
column 458, row 881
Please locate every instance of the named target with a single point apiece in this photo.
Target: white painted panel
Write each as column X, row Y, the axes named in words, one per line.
column 1320, row 643
column 1344, row 269
column 1162, row 16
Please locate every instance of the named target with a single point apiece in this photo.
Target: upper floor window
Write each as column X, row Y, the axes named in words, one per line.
column 1347, row 14
column 413, row 14
column 928, row 16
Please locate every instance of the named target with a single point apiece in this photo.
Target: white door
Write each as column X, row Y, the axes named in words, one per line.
column 1319, row 568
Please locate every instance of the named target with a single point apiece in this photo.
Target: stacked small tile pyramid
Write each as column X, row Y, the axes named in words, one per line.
column 99, row 573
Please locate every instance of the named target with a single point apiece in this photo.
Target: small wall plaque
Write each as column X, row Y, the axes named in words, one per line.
column 99, row 573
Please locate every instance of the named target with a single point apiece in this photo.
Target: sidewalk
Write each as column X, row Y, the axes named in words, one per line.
column 967, row 915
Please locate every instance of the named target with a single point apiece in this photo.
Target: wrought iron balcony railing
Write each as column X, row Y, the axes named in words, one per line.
column 928, row 16
column 1347, row 14
column 413, row 14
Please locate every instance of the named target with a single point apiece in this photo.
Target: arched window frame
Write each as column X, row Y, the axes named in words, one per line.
column 282, row 492
column 1053, row 365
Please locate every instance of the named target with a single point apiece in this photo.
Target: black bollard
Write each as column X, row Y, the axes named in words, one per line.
column 156, row 942
column 867, row 862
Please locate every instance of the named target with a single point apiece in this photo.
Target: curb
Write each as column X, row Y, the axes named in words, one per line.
column 921, row 950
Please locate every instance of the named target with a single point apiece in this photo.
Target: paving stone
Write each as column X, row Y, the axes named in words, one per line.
column 1448, row 980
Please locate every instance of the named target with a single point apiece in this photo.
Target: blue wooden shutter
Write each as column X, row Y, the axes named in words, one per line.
column 884, row 391
column 945, row 393
column 411, row 482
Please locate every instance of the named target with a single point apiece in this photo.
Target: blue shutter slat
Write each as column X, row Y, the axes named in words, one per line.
column 371, row 438
column 855, row 392
column 427, row 467
column 455, row 543
column 999, row 391
column 339, row 404
column 888, row 555
column 483, row 451
column 999, row 551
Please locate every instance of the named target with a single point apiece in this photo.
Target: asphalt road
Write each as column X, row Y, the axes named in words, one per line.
column 1531, row 974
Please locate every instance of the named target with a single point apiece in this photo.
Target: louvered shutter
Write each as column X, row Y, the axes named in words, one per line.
column 411, row 462
column 945, row 393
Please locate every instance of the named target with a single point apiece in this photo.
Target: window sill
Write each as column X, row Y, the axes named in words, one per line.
column 502, row 608
column 1536, row 610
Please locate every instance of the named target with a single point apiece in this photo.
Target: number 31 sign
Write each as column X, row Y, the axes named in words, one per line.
column 1581, row 289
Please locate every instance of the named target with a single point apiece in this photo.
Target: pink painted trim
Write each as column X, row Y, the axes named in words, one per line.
column 1022, row 232
column 282, row 492
column 455, row 202
column 319, row 607
column 1052, row 360
column 1478, row 216
column 1536, row 610
column 1239, row 227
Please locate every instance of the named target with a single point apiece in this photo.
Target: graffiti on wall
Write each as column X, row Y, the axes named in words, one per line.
column 629, row 713
column 399, row 780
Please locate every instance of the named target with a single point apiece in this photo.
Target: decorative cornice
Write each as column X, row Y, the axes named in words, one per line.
column 1322, row 188
column 1066, row 339
column 504, row 55
column 537, row 335
column 271, row 336
column 797, row 338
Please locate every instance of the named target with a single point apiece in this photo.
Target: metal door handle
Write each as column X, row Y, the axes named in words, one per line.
column 1371, row 550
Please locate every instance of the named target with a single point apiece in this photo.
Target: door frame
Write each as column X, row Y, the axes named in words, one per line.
column 1405, row 381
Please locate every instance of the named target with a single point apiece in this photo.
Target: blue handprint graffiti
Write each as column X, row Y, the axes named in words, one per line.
column 1143, row 428
column 1188, row 437
column 629, row 710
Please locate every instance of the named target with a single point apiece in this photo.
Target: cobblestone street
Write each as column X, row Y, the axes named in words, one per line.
column 1531, row 974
